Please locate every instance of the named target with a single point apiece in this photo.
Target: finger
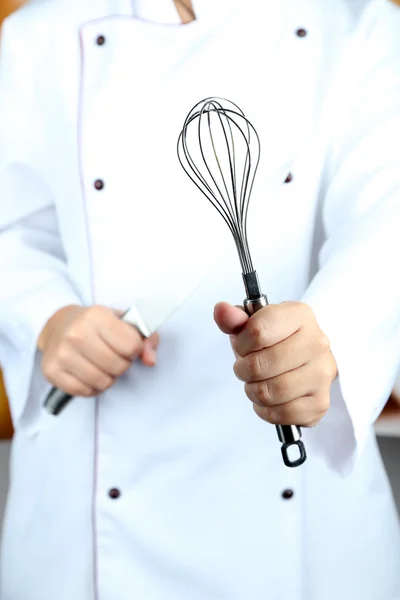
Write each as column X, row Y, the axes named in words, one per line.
column 304, row 381
column 270, row 362
column 122, row 338
column 149, row 353
column 71, row 385
column 232, row 339
column 86, row 372
column 103, row 357
column 306, row 411
column 271, row 325
column 230, row 319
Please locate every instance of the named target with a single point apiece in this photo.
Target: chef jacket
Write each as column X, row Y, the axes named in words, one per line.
column 168, row 486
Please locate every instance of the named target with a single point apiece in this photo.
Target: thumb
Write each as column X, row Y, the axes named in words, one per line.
column 230, row 319
column 149, row 352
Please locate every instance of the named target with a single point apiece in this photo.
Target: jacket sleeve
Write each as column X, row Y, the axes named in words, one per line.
column 356, row 292
column 34, row 281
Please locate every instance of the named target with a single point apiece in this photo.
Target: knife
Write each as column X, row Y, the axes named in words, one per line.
column 146, row 315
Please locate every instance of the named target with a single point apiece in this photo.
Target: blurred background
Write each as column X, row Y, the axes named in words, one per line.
column 387, row 426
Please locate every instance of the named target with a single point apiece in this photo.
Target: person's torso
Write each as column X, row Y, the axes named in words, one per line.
column 201, row 513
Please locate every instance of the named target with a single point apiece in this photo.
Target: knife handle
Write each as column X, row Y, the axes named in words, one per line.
column 56, row 400
column 288, row 435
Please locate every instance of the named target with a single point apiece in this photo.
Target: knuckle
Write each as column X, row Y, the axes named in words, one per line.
column 327, row 369
column 291, row 412
column 77, row 389
column 254, row 366
column 261, row 412
column 312, row 423
column 93, row 313
column 262, row 393
column 324, row 403
column 334, row 368
column 133, row 348
column 118, row 368
column 132, row 341
column 103, row 382
column 274, row 416
column 75, row 335
column 295, row 304
column 62, row 355
column 324, row 342
column 278, row 388
column 306, row 309
column 256, row 331
column 49, row 369
column 237, row 369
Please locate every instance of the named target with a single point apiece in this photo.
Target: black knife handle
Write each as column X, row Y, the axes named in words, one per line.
column 56, row 401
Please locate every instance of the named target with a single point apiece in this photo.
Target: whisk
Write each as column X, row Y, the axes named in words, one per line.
column 219, row 149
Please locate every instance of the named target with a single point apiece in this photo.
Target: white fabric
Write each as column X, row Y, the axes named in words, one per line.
column 154, row 10
column 201, row 514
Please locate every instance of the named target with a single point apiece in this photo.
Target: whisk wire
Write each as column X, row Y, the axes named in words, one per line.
column 231, row 208
column 230, row 154
column 208, row 168
column 193, row 173
column 230, row 199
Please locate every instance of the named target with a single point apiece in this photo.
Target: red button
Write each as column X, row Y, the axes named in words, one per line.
column 301, row 32
column 100, row 40
column 114, row 493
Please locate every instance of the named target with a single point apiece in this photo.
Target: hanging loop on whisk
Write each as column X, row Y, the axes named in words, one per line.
column 289, row 462
column 290, row 436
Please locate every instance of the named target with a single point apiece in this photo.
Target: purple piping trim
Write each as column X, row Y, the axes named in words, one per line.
column 133, row 18
column 96, row 593
column 96, row 400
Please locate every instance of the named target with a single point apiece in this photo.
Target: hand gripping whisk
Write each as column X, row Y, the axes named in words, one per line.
column 219, row 150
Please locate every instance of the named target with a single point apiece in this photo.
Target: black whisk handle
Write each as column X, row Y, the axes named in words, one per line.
column 289, row 435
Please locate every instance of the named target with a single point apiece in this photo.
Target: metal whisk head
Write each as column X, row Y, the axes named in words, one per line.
column 220, row 151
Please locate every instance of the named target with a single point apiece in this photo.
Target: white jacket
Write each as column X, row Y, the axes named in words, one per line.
column 201, row 514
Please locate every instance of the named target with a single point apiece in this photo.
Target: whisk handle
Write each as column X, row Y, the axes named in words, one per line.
column 289, row 435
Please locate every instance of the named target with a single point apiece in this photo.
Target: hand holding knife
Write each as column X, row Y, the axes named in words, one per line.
column 144, row 317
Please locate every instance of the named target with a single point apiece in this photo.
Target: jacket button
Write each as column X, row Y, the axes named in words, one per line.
column 114, row 493
column 99, row 184
column 289, row 178
column 100, row 40
column 301, row 32
column 287, row 494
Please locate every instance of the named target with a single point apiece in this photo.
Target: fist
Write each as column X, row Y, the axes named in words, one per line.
column 86, row 349
column 283, row 358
